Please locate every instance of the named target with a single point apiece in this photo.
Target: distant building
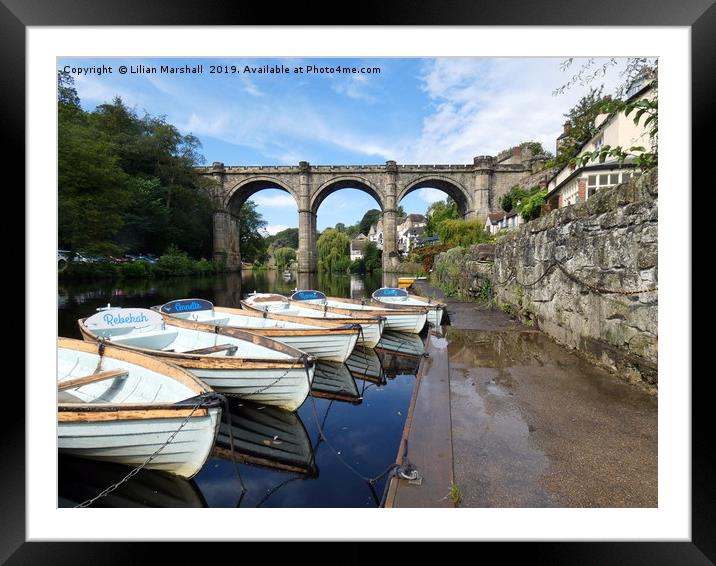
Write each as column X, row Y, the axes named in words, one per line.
column 492, row 223
column 575, row 184
column 427, row 241
column 497, row 221
column 358, row 247
column 411, row 227
column 375, row 234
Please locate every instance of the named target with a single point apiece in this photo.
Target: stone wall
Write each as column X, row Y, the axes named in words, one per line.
column 571, row 273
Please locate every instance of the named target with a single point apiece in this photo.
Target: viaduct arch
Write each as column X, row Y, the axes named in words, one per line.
column 475, row 187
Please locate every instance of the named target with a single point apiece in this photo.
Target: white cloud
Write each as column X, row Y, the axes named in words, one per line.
column 484, row 106
column 356, row 87
column 275, row 201
column 431, row 195
column 97, row 89
column 274, row 229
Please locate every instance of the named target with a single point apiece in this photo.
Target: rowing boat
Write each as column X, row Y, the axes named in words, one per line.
column 120, row 406
column 371, row 326
column 332, row 341
column 245, row 364
column 397, row 319
column 398, row 298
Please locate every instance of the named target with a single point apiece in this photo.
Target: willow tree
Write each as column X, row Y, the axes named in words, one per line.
column 333, row 250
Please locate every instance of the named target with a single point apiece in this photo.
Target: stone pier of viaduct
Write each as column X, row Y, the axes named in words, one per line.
column 476, row 189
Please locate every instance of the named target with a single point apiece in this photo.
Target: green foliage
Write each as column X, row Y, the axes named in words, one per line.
column 370, row 262
column 254, row 248
column 287, row 238
column 510, row 200
column 369, row 218
column 284, row 257
column 529, row 203
column 173, row 262
column 333, row 251
column 438, row 212
column 136, row 269
column 462, row 232
column 536, row 148
column 638, row 70
column 455, row 494
column 426, row 255
column 86, row 271
column 643, row 158
column 579, row 126
column 532, row 205
column 127, row 180
column 446, row 274
column 202, row 267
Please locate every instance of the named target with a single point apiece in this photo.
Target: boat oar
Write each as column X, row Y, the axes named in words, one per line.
column 99, row 376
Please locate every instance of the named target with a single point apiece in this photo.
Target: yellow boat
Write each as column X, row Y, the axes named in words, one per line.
column 405, row 282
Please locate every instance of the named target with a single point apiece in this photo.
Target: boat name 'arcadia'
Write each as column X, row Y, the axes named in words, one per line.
column 114, row 320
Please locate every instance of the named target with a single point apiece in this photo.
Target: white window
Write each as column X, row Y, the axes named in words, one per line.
column 570, row 192
column 599, row 142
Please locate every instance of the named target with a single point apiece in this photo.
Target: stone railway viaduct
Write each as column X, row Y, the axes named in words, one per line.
column 476, row 189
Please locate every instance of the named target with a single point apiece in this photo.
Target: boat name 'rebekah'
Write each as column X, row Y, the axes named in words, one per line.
column 113, row 320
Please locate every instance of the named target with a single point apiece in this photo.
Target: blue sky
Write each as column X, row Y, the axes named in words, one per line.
column 444, row 110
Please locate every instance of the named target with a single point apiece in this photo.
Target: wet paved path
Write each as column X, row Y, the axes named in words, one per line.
column 534, row 425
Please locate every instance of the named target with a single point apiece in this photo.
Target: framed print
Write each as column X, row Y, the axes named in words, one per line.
column 181, row 120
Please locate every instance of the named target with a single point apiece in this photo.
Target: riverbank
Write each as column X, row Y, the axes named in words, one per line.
column 531, row 423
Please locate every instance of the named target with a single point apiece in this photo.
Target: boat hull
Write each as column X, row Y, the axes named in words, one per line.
column 131, row 441
column 285, row 388
column 371, row 327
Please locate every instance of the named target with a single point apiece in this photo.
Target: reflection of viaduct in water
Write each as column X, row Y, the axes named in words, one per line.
column 476, row 189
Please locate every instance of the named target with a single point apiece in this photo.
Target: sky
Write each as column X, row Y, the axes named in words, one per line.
column 413, row 111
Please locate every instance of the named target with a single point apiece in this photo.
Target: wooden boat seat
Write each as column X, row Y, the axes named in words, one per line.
column 214, row 349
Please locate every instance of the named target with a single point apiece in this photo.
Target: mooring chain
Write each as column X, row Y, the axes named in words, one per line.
column 322, row 435
column 151, row 457
column 563, row 269
column 259, row 391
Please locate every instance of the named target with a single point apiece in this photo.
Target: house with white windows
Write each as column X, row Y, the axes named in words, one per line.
column 576, row 184
column 358, row 247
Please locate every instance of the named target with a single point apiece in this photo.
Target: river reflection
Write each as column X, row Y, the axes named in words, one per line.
column 354, row 416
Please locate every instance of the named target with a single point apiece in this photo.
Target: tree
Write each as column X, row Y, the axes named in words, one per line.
column 287, row 238
column 333, row 251
column 579, row 126
column 369, row 218
column 128, row 182
column 527, row 202
column 531, row 206
column 510, row 200
column 462, row 232
column 438, row 212
column 372, row 257
column 252, row 245
column 284, row 257
column 340, row 227
column 638, row 71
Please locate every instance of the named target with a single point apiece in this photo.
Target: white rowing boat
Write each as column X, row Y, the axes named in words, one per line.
column 332, row 341
column 397, row 297
column 371, row 326
column 120, row 406
column 245, row 364
column 399, row 319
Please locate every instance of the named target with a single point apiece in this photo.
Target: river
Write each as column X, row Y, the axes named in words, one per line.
column 281, row 459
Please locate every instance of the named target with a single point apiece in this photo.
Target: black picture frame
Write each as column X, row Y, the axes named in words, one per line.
column 699, row 15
